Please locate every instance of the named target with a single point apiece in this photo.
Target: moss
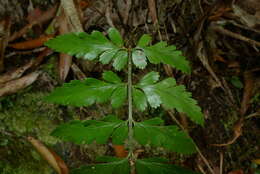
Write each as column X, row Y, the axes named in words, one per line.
column 22, row 115
column 30, row 115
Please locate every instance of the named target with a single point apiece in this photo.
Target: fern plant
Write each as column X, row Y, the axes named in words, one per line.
column 148, row 91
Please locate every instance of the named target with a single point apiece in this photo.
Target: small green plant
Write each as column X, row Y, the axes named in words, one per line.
column 148, row 91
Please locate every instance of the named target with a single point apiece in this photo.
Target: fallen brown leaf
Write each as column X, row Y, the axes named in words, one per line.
column 16, row 73
column 47, row 15
column 30, row 44
column 84, row 4
column 50, row 156
column 65, row 59
column 120, row 151
column 248, row 92
column 152, row 11
column 236, row 172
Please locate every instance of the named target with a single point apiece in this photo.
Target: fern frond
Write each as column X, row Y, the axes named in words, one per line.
column 86, row 132
column 170, row 137
column 92, row 46
column 162, row 53
column 172, row 96
column 87, row 92
column 116, row 166
column 155, row 166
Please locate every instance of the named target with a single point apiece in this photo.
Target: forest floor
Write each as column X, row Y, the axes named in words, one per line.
column 220, row 38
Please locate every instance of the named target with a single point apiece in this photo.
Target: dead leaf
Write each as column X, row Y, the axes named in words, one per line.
column 18, row 72
column 65, row 59
column 84, row 4
column 72, row 15
column 219, row 58
column 120, row 151
column 152, row 11
column 18, row 84
column 14, row 74
column 30, row 44
column 248, row 92
column 236, row 172
column 50, row 156
column 47, row 15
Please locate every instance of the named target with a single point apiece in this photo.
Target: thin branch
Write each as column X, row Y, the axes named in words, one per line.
column 252, row 115
column 108, row 14
column 236, row 36
column 221, row 163
column 197, row 148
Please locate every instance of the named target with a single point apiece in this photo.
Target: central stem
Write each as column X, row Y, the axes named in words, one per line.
column 130, row 108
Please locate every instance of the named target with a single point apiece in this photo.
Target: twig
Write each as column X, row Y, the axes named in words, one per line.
column 127, row 10
column 201, row 169
column 36, row 50
column 252, row 115
column 197, row 148
column 108, row 15
column 236, row 36
column 77, row 71
column 221, row 163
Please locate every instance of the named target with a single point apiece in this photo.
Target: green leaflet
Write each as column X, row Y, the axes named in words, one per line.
column 87, row 92
column 120, row 60
column 171, row 96
column 139, row 59
column 154, row 166
column 111, row 77
column 85, row 132
column 149, row 79
column 117, row 166
column 115, row 37
column 144, row 40
column 139, row 99
column 119, row 96
column 170, row 137
column 121, row 166
column 92, row 46
column 120, row 134
column 107, row 56
column 161, row 53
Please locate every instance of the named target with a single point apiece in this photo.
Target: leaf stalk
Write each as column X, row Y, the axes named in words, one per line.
column 130, row 111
